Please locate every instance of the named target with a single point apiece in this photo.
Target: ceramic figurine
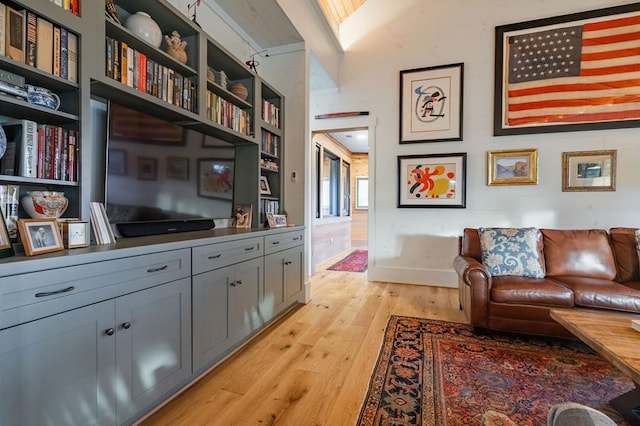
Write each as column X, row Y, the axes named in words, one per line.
column 175, row 47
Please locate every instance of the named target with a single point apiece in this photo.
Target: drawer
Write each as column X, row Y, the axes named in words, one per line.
column 214, row 256
column 26, row 297
column 282, row 241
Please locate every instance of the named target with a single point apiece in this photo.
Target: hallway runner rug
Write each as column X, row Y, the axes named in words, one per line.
column 439, row 373
column 356, row 261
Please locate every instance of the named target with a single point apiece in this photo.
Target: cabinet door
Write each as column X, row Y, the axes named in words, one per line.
column 59, row 370
column 244, row 295
column 210, row 319
column 272, row 301
column 293, row 272
column 153, row 344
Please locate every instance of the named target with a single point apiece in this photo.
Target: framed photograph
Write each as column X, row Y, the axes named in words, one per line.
column 6, row 249
column 215, row 178
column 117, row 162
column 75, row 233
column 147, row 168
column 264, row 186
column 242, row 215
column 177, row 168
column 512, row 167
column 561, row 74
column 431, row 104
column 433, row 180
column 40, row 236
column 362, row 192
column 589, row 171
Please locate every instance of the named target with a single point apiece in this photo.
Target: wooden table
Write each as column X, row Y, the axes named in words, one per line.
column 610, row 334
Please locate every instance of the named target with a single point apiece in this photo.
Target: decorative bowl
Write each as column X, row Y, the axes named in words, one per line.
column 44, row 204
column 142, row 25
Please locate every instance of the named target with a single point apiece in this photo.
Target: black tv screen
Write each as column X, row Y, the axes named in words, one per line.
column 159, row 171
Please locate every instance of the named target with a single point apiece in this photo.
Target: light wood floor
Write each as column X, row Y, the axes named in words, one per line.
column 313, row 366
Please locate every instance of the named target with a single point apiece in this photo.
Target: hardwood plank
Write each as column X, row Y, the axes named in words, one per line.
column 312, row 366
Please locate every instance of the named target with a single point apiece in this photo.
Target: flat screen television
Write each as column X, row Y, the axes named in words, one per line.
column 162, row 177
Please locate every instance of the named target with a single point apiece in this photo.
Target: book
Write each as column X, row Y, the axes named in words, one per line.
column 40, row 168
column 64, row 53
column 15, row 34
column 117, row 56
column 24, row 133
column 72, row 155
column 129, row 66
column 11, row 203
column 124, row 58
column 44, row 45
column 56, row 50
column 30, row 55
column 57, row 153
column 109, row 57
column 75, row 7
column 72, row 61
column 142, row 73
column 3, row 14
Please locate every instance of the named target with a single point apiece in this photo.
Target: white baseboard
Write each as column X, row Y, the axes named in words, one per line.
column 403, row 275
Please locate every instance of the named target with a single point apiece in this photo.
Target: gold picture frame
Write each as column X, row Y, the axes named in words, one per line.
column 584, row 171
column 512, row 167
column 40, row 236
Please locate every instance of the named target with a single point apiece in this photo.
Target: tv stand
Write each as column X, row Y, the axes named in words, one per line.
column 143, row 229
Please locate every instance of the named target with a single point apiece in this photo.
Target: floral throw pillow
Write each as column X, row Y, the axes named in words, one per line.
column 512, row 251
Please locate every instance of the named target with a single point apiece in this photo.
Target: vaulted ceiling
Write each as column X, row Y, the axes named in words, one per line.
column 337, row 11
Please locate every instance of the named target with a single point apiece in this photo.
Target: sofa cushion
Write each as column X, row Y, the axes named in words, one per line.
column 512, row 251
column 601, row 294
column 623, row 242
column 578, row 252
column 530, row 291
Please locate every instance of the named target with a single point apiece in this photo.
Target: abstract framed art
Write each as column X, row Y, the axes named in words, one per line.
column 431, row 104
column 561, row 74
column 512, row 167
column 433, row 180
column 584, row 171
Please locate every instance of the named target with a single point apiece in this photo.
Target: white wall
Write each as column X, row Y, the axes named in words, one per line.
column 418, row 245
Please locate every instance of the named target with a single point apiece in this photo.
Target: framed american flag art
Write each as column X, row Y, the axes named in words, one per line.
column 572, row 72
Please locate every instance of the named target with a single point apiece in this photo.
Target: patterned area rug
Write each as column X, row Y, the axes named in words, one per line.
column 439, row 373
column 356, row 261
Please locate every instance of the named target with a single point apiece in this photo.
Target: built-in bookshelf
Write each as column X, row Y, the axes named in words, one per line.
column 271, row 136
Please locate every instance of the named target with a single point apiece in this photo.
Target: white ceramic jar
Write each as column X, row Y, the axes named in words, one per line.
column 44, row 204
column 141, row 24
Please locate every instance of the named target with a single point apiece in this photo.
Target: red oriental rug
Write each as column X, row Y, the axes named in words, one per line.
column 356, row 261
column 439, row 373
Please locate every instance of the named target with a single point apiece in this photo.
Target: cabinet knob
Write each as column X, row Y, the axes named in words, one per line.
column 126, row 325
column 239, row 282
column 109, row 331
column 288, row 262
column 232, row 283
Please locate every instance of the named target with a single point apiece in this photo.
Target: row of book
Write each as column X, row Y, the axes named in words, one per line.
column 36, row 41
column 269, row 164
column 9, row 202
column 268, row 206
column 72, row 6
column 40, row 151
column 270, row 143
column 227, row 114
column 270, row 113
column 136, row 70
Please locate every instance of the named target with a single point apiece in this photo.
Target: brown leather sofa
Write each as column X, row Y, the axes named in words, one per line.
column 590, row 268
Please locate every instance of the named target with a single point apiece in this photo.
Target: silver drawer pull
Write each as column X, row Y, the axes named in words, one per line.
column 162, row 268
column 214, row 256
column 275, row 242
column 296, row 238
column 51, row 293
column 249, row 248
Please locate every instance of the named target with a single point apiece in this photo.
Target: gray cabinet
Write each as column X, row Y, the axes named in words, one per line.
column 282, row 272
column 225, row 299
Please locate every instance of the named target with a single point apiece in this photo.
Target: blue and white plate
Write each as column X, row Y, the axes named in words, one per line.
column 3, row 142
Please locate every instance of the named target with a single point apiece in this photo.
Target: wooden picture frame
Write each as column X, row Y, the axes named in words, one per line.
column 147, row 168
column 512, row 167
column 215, row 178
column 585, row 171
column 362, row 192
column 431, row 104
column 265, row 189
column 6, row 248
column 177, row 168
column 432, row 180
column 557, row 74
column 40, row 236
column 242, row 215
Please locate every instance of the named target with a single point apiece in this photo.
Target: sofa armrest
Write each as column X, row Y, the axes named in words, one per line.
column 475, row 281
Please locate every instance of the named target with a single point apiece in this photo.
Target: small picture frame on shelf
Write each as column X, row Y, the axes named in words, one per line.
column 75, row 233
column 276, row 220
column 242, row 215
column 6, row 249
column 264, row 186
column 40, row 236
column 589, row 171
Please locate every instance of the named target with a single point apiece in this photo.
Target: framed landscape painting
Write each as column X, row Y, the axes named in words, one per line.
column 431, row 104
column 567, row 73
column 584, row 171
column 432, row 180
column 512, row 167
